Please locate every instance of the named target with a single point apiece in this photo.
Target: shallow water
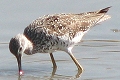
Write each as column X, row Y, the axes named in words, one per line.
column 98, row 51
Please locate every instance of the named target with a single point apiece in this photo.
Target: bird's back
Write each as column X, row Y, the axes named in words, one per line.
column 68, row 28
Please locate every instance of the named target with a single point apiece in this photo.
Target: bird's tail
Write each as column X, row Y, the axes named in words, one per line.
column 104, row 17
column 105, row 10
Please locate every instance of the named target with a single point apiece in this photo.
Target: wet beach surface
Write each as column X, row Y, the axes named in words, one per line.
column 98, row 52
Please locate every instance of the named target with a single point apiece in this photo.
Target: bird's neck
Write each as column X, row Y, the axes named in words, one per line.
column 28, row 46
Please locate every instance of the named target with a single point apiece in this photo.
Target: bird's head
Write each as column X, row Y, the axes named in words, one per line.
column 17, row 48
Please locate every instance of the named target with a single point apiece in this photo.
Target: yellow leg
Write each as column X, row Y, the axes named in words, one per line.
column 54, row 65
column 80, row 69
column 76, row 62
column 53, row 60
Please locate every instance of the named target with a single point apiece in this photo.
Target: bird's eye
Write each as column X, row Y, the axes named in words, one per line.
column 20, row 49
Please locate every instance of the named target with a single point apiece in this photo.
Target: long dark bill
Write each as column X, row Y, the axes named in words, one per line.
column 19, row 62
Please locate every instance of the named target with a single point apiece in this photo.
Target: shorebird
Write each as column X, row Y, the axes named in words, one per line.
column 57, row 32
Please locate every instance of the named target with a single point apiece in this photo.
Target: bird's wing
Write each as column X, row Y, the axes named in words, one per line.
column 67, row 24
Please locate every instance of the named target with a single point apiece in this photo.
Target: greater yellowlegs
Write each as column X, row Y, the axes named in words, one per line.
column 55, row 32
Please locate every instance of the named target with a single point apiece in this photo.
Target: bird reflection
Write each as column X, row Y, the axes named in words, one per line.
column 54, row 71
column 19, row 77
column 53, row 75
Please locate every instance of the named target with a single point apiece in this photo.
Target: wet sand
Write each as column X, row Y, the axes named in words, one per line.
column 98, row 51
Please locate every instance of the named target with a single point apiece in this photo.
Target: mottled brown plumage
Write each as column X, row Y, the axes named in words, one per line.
column 55, row 32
